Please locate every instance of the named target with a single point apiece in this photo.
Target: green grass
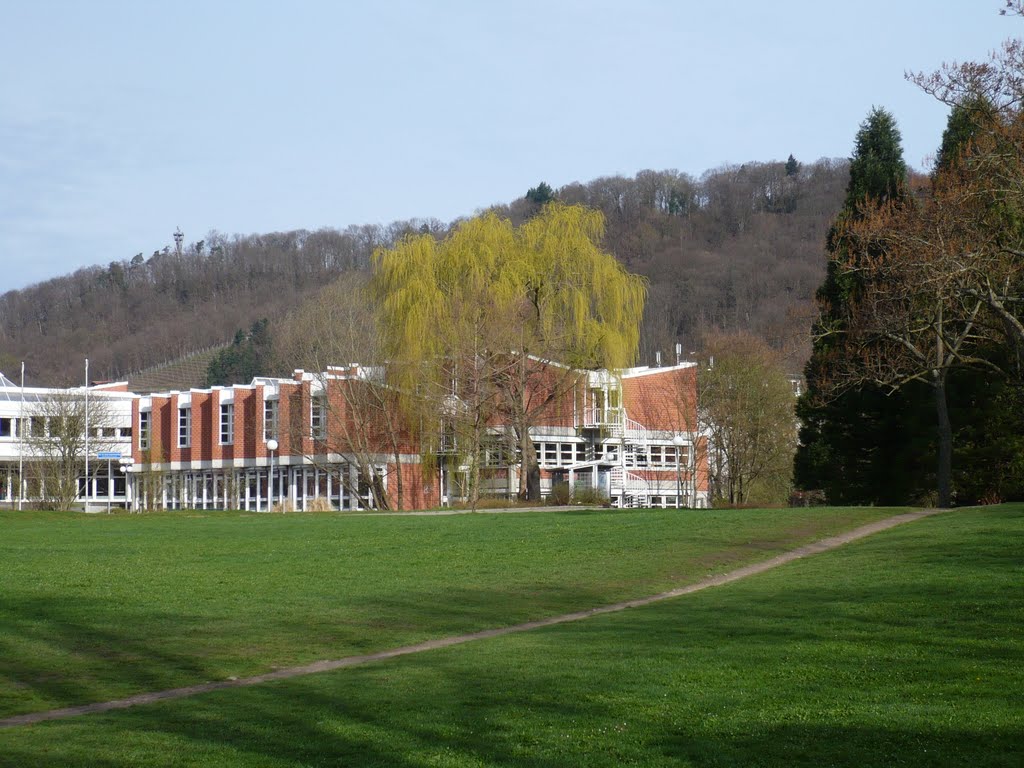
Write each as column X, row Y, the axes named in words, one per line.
column 100, row 607
column 903, row 649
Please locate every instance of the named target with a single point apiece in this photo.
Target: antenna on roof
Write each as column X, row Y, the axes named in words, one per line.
column 679, row 353
column 657, row 359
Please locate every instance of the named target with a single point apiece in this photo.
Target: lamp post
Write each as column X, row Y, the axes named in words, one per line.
column 679, row 441
column 125, row 464
column 21, row 441
column 271, row 446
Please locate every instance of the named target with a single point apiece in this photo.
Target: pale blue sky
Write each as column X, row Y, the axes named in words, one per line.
column 120, row 121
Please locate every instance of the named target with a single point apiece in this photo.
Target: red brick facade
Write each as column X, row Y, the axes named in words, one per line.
column 630, row 436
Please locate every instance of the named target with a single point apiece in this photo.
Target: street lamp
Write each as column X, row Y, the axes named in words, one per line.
column 271, row 446
column 679, row 441
column 125, row 465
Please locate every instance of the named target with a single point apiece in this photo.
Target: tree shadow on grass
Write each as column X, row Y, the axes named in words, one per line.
column 60, row 653
column 786, row 669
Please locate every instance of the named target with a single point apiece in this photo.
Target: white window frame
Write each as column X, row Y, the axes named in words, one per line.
column 318, row 417
column 227, row 423
column 145, row 429
column 271, row 418
column 184, row 426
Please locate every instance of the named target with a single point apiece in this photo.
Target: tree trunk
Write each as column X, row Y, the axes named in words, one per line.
column 529, row 482
column 945, row 458
column 400, row 490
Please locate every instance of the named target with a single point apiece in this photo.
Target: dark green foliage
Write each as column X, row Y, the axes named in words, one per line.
column 987, row 412
column 964, row 123
column 540, row 194
column 792, row 166
column 877, row 170
column 249, row 355
column 850, row 443
column 868, row 447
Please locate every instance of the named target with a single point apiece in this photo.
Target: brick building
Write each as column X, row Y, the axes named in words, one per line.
column 333, row 440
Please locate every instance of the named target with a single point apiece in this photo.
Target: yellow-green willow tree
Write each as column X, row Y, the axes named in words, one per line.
column 492, row 319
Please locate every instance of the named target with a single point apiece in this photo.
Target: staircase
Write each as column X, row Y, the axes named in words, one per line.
column 627, row 489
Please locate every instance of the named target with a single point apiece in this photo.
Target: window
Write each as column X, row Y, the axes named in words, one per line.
column 684, row 455
column 6, row 427
column 184, row 427
column 550, row 453
column 318, row 418
column 145, row 418
column 565, row 449
column 227, row 423
column 125, row 432
column 614, row 398
column 270, row 412
column 37, row 426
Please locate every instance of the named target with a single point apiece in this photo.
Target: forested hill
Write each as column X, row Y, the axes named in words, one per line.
column 740, row 248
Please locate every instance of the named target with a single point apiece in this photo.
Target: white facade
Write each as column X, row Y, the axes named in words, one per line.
column 23, row 421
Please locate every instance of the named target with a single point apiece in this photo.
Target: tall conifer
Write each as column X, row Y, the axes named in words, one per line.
column 857, row 446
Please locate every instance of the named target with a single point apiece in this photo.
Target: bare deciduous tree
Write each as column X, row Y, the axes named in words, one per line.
column 56, row 444
column 334, row 337
column 746, row 410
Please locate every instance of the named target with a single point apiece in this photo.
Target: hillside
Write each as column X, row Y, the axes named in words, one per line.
column 739, row 248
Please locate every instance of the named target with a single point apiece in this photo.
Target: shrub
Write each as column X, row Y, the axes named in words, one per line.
column 591, row 497
column 319, row 504
column 560, row 495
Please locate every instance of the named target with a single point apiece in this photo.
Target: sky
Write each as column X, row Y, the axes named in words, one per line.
column 122, row 121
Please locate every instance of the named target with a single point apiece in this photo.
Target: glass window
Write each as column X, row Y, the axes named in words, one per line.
column 145, row 418
column 184, row 427
column 227, row 423
column 318, row 418
column 270, row 413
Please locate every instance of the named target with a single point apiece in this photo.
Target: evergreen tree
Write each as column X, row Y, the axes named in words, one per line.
column 965, row 120
column 858, row 446
column 249, row 355
column 792, row 166
column 541, row 194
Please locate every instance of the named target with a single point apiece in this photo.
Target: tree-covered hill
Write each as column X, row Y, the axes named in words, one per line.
column 740, row 248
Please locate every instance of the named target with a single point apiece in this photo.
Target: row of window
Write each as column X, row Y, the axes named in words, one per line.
column 551, row 454
column 41, row 426
column 566, row 454
column 271, row 410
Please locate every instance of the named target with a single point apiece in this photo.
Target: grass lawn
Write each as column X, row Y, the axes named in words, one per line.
column 903, row 649
column 99, row 607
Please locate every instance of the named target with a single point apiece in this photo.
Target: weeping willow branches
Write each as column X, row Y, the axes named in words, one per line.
column 461, row 318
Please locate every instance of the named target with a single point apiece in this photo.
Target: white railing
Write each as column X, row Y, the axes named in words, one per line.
column 631, row 487
column 635, row 432
column 594, row 417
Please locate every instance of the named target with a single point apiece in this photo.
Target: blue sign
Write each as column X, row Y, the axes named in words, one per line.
column 108, row 455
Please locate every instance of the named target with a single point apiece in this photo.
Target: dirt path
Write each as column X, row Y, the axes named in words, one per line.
column 813, row 548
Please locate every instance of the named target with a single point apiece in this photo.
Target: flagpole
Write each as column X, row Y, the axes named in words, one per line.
column 21, row 441
column 87, row 434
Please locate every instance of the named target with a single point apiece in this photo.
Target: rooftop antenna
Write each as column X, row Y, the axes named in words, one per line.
column 679, row 353
column 657, row 359
column 178, row 237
